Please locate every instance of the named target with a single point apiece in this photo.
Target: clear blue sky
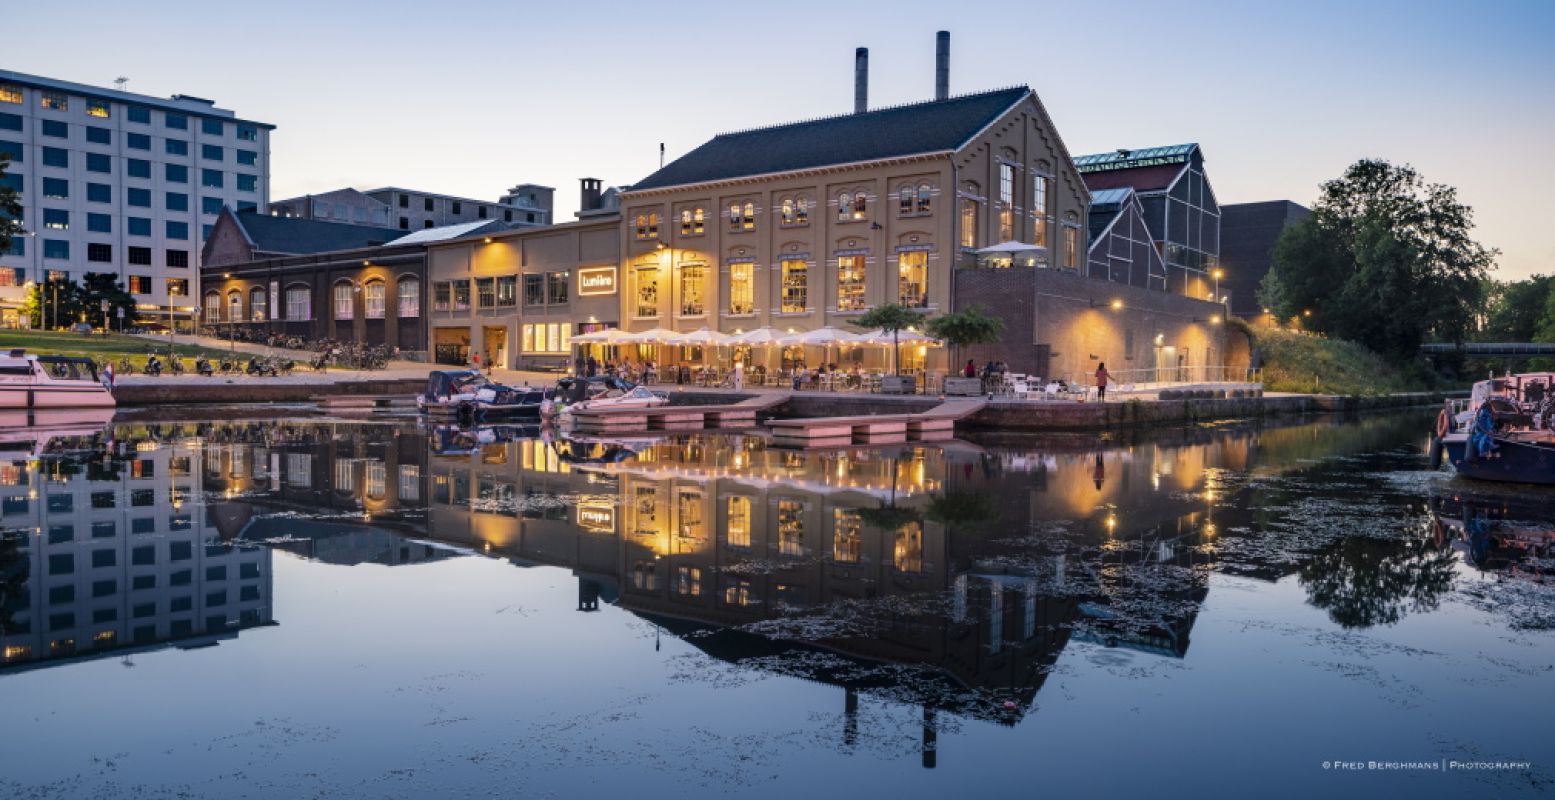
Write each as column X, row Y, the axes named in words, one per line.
column 472, row 97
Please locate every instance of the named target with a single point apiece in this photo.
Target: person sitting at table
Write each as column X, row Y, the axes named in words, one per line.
column 971, row 369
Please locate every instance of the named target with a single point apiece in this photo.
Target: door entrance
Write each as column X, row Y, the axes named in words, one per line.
column 496, row 348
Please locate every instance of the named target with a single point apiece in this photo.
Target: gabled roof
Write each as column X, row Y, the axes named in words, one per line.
column 292, row 236
column 1106, row 205
column 438, row 234
column 915, row 129
column 1150, row 169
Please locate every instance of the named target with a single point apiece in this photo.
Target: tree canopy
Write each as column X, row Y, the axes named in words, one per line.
column 59, row 303
column 970, row 326
column 10, row 208
column 1385, row 259
column 892, row 318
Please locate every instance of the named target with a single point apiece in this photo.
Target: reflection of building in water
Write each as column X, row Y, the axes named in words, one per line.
column 117, row 550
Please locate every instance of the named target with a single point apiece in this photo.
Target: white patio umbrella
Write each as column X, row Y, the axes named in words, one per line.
column 1009, row 248
column 763, row 336
column 823, row 338
column 703, row 336
column 650, row 336
column 606, row 336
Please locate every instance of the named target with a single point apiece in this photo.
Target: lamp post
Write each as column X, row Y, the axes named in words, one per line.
column 1218, row 273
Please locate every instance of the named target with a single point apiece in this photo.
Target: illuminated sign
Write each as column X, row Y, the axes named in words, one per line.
column 597, row 280
column 601, row 518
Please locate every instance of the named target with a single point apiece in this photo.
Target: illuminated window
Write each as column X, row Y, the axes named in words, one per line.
column 1039, row 211
column 734, row 216
column 645, row 576
column 790, row 528
column 847, row 538
column 688, row 581
column 685, row 222
column 1006, row 202
column 345, row 475
column 648, row 292
column 737, row 527
column 913, row 286
column 486, row 292
column 653, row 225
column 345, row 304
column 692, row 277
column 10, row 93
column 461, row 295
column 906, row 198
column 908, row 553
column 257, row 307
column 97, row 108
column 641, row 227
column 968, row 227
column 802, row 211
column 788, row 211
column 546, row 338
column 925, row 198
column 299, row 303
column 796, row 285
column 693, row 221
column 742, row 289
column 1071, row 246
column 845, row 207
column 850, row 283
column 374, row 299
column 738, row 592
column 407, row 297
column 748, row 217
column 53, row 101
column 645, row 508
column 556, row 287
column 410, row 483
column 235, row 305
column 689, row 515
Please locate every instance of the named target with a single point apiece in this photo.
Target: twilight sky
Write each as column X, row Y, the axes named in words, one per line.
column 474, row 97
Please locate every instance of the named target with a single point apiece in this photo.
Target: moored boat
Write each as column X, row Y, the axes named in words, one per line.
column 1502, row 432
column 469, row 394
column 50, row 382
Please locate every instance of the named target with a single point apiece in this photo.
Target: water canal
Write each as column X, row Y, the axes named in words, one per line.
column 334, row 608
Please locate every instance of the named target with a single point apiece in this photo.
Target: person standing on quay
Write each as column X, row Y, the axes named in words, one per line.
column 1101, row 381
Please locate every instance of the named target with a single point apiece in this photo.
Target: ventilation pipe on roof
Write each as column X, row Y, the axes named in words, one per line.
column 942, row 65
column 861, row 80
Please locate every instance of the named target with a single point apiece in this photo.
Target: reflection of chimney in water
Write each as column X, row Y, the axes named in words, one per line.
column 849, row 718
column 930, row 739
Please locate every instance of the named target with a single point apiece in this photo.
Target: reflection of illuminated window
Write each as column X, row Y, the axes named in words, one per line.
column 345, row 475
column 738, row 592
column 790, row 528
column 690, row 513
column 299, row 469
column 410, row 483
column 738, row 525
column 908, row 556
column 688, row 581
column 846, row 540
column 645, row 501
column 376, row 478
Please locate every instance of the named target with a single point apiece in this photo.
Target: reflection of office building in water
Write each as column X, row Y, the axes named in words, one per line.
column 109, row 549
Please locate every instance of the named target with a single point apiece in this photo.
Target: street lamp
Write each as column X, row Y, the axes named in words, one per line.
column 1218, row 273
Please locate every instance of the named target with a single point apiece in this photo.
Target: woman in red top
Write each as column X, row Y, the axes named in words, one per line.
column 1101, row 381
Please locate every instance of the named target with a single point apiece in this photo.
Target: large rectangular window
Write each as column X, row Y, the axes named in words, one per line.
column 442, row 295
column 485, row 292
column 56, row 157
column 796, row 285
column 407, row 298
column 1039, row 214
column 1071, row 247
column 137, row 168
column 850, row 283
column 137, row 141
column 56, row 188
column 374, row 300
column 556, row 287
column 1006, row 202
column 97, row 135
column 648, row 292
column 299, row 303
column 913, row 287
column 693, row 278
column 742, row 288
column 461, row 295
column 968, row 223
column 100, row 163
column 507, row 290
column 737, row 523
column 345, row 304
column 554, row 337
column 534, row 290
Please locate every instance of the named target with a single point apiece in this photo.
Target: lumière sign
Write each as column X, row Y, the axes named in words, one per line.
column 597, row 517
column 597, row 280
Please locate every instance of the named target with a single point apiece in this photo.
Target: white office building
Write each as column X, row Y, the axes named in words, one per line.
column 124, row 183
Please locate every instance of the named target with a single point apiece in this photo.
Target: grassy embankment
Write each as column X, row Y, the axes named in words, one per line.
column 1298, row 362
column 99, row 347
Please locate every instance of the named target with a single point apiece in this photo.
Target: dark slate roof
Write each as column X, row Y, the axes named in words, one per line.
column 1141, row 179
column 1105, row 207
column 292, row 236
column 929, row 127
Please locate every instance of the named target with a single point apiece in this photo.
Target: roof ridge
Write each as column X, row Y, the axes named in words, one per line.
column 851, row 114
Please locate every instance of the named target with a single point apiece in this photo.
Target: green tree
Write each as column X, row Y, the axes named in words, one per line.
column 893, row 319
column 10, row 207
column 100, row 288
column 970, row 326
column 1385, row 259
column 55, row 303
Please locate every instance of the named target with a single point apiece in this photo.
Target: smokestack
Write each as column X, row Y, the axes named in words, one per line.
column 861, row 80
column 590, row 193
column 942, row 65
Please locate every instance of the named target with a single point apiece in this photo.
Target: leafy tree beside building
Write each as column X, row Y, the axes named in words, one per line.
column 10, row 207
column 1385, row 259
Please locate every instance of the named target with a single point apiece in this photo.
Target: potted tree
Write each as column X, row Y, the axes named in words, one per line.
column 893, row 318
column 970, row 326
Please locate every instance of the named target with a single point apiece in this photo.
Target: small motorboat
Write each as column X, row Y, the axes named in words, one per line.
column 600, row 392
column 467, row 394
column 1503, row 432
column 50, row 382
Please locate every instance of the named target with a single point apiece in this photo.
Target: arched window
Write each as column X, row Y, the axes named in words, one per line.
column 748, row 220
column 299, row 303
column 845, row 207
column 925, row 198
column 374, row 299
column 802, row 211
column 345, row 303
column 685, row 222
column 698, row 221
column 235, row 306
column 734, row 216
column 258, row 309
column 788, row 211
column 905, row 201
column 653, row 225
column 860, row 200
column 407, row 297
column 642, row 226
column 212, row 308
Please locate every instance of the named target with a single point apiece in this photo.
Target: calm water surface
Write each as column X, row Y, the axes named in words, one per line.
column 323, row 608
